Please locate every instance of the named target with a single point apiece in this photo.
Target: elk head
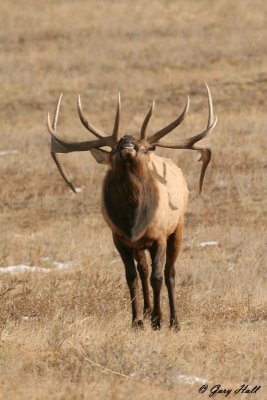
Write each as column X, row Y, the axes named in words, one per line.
column 128, row 150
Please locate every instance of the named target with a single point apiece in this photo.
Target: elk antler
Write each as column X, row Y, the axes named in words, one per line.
column 60, row 145
column 97, row 132
column 189, row 143
column 162, row 132
column 146, row 121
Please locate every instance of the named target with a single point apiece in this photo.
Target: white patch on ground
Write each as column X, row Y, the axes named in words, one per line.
column 186, row 244
column 221, row 184
column 66, row 265
column 231, row 267
column 78, row 189
column 27, row 318
column 208, row 243
column 7, row 152
column 15, row 269
column 190, row 379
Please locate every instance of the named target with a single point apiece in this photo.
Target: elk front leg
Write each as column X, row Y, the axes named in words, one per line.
column 158, row 256
column 142, row 268
column 173, row 247
column 127, row 256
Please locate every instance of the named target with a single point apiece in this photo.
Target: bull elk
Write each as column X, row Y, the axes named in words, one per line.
column 144, row 199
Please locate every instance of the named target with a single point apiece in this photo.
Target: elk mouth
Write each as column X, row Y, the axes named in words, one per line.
column 128, row 151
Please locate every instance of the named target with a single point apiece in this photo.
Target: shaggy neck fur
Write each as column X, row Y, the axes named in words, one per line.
column 130, row 198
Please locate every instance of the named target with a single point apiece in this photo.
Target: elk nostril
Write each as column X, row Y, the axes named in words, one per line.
column 128, row 153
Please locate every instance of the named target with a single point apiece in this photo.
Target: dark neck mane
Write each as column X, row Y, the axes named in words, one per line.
column 130, row 198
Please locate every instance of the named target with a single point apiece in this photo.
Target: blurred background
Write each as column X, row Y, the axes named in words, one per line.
column 162, row 51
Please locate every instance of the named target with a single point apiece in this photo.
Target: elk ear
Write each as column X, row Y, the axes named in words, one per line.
column 101, row 156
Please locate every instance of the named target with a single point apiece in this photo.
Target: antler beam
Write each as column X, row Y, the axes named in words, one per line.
column 189, row 143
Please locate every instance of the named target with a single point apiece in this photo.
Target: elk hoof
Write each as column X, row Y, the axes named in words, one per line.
column 174, row 325
column 155, row 322
column 138, row 324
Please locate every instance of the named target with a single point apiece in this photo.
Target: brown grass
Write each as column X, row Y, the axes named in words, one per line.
column 66, row 334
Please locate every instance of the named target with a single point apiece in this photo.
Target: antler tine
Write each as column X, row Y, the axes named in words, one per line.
column 146, row 121
column 95, row 131
column 163, row 132
column 211, row 117
column 115, row 133
column 205, row 156
column 54, row 123
column 63, row 172
column 52, row 129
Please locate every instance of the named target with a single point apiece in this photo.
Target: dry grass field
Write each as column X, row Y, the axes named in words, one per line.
column 65, row 333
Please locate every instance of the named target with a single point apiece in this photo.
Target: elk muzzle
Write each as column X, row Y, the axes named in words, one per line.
column 128, row 151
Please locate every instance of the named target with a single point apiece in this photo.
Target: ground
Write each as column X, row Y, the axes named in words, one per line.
column 65, row 333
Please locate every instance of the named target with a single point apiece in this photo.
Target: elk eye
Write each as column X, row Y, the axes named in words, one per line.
column 144, row 150
column 152, row 148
